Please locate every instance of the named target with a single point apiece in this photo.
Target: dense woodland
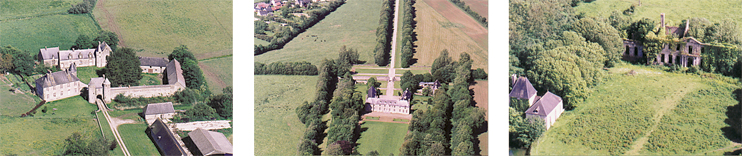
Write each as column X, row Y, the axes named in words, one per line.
column 565, row 52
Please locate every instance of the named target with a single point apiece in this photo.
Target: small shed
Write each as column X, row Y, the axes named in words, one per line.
column 153, row 111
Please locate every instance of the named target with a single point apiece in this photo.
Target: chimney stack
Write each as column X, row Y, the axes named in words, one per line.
column 662, row 20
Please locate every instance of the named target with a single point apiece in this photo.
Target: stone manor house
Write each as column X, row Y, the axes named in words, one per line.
column 59, row 85
column 388, row 104
column 687, row 53
column 80, row 57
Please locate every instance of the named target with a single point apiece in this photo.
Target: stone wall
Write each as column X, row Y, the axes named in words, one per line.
column 142, row 91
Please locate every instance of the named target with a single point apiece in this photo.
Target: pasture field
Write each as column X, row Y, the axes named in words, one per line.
column 436, row 33
column 72, row 107
column 31, row 8
column 261, row 42
column 136, row 139
column 15, row 104
column 675, row 10
column 660, row 105
column 277, row 128
column 32, row 34
column 132, row 114
column 384, row 137
column 353, row 24
column 42, row 136
column 414, row 71
column 480, row 97
column 218, row 73
column 479, row 6
column 160, row 26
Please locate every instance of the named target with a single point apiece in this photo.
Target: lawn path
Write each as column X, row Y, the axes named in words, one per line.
column 665, row 106
column 207, row 72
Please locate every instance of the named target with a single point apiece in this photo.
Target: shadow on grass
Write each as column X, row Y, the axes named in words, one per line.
column 733, row 119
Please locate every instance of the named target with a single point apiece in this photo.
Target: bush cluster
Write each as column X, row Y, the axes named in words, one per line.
column 83, row 7
column 288, row 68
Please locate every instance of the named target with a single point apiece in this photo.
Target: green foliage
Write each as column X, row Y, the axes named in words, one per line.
column 597, row 31
column 109, row 37
column 84, row 42
column 721, row 58
column 384, row 33
column 77, row 145
column 19, row 61
column 194, row 78
column 285, row 36
column 534, row 22
column 122, row 100
column 181, row 53
column 638, row 30
column 474, row 15
column 346, row 59
column 288, row 68
column 222, row 103
column 83, row 7
column 200, row 112
column 123, row 68
column 620, row 22
column 479, row 74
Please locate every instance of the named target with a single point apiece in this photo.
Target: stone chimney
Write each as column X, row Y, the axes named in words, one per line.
column 687, row 22
column 662, row 20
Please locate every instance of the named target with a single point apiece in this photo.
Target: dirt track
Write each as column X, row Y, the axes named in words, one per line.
column 111, row 20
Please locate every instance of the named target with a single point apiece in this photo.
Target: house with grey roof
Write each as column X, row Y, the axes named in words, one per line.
column 153, row 111
column 167, row 143
column 523, row 90
column 59, row 85
column 388, row 104
column 210, row 143
column 549, row 107
column 152, row 64
column 79, row 57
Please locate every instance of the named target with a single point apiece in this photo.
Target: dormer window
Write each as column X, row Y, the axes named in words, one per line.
column 69, row 56
column 79, row 56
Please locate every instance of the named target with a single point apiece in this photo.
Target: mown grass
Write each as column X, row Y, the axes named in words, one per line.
column 85, row 73
column 136, row 139
column 675, row 10
column 372, row 118
column 400, row 120
column 622, row 111
column 383, row 137
column 277, row 128
column 150, row 79
column 373, row 71
column 132, row 114
column 160, row 26
column 28, row 8
column 219, row 74
column 353, row 24
column 436, row 33
column 42, row 136
column 72, row 107
column 15, row 104
column 402, row 71
column 47, row 31
column 108, row 134
column 261, row 42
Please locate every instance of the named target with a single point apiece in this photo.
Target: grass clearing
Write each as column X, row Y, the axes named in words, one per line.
column 652, row 98
column 675, row 10
column 160, row 26
column 400, row 120
column 85, row 73
column 436, row 33
column 402, row 71
column 72, row 107
column 275, row 114
column 108, row 134
column 150, row 79
column 42, row 136
column 33, row 34
column 384, row 137
column 261, row 42
column 218, row 73
column 353, row 24
column 15, row 104
column 373, row 71
column 372, row 118
column 136, row 139
column 13, row 10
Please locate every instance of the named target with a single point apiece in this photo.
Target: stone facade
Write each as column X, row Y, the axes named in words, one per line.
column 59, row 85
column 152, row 64
column 101, row 87
column 685, row 53
column 389, row 104
column 163, row 111
column 632, row 50
column 80, row 57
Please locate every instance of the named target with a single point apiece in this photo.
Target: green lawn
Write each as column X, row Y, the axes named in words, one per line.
column 136, row 139
column 85, row 73
column 675, row 10
column 42, row 136
column 277, row 128
column 383, row 137
column 15, row 104
column 108, row 133
column 218, row 73
column 150, row 79
column 159, row 26
column 29, row 8
column 353, row 24
column 33, row 34
column 648, row 109
column 373, row 71
column 261, row 42
column 414, row 71
column 132, row 114
column 70, row 107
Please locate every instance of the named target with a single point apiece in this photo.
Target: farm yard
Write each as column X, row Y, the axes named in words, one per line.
column 383, row 137
column 275, row 113
column 353, row 24
column 675, row 10
column 436, row 33
column 670, row 113
column 159, row 26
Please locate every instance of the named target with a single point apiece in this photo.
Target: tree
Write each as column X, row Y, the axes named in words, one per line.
column 222, row 103
column 23, row 64
column 84, row 42
column 479, row 74
column 596, row 31
column 724, row 32
column 260, row 27
column 427, row 91
column 181, row 53
column 123, row 68
column 697, row 27
column 307, row 147
column 442, row 61
column 436, row 149
column 639, row 29
column 201, row 112
column 6, row 62
column 464, row 148
column 109, row 37
column 568, row 72
column 373, row 153
column 192, row 74
column 75, row 144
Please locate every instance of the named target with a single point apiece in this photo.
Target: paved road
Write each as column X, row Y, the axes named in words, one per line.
column 114, row 128
column 390, row 85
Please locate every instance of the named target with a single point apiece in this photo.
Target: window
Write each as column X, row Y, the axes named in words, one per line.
column 677, row 47
column 690, row 49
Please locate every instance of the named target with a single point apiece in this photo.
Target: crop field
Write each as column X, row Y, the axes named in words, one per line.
column 218, row 73
column 32, row 34
column 384, row 137
column 479, row 6
column 675, row 10
column 42, row 136
column 436, row 33
column 461, row 20
column 160, row 26
column 277, row 128
column 30, row 8
column 661, row 105
column 136, row 139
column 15, row 104
column 353, row 24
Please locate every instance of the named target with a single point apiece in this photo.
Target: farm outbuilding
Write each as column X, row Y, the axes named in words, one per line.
column 163, row 111
column 211, row 143
column 523, row 89
column 549, row 108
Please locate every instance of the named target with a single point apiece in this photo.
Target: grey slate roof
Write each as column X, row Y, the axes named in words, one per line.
column 153, row 61
column 56, row 78
column 164, row 139
column 76, row 54
column 174, row 73
column 371, row 92
column 546, row 104
column 392, row 102
column 522, row 89
column 96, row 82
column 159, row 108
column 49, row 53
column 210, row 143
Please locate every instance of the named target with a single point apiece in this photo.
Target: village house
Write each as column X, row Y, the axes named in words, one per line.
column 163, row 111
column 389, row 104
column 548, row 108
column 152, row 64
column 685, row 53
column 80, row 57
column 523, row 89
column 210, row 143
column 167, row 142
column 59, row 85
column 263, row 9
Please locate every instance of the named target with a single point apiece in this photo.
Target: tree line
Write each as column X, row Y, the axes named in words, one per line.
column 449, row 127
column 310, row 114
column 479, row 18
column 384, row 33
column 83, row 7
column 280, row 39
column 288, row 68
column 408, row 34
